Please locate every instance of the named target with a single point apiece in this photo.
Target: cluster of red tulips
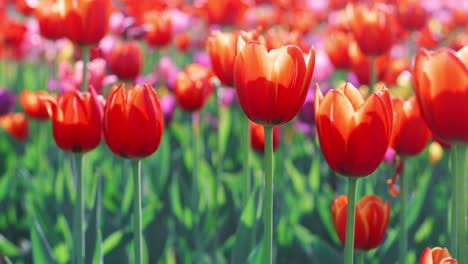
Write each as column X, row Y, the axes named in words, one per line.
column 272, row 69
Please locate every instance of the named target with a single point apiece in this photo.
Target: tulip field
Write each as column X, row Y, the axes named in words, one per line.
column 233, row 131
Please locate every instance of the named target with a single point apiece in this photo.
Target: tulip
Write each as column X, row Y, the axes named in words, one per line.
column 354, row 134
column 7, row 101
column 227, row 12
column 336, row 43
column 133, row 128
column 257, row 137
column 411, row 14
column 360, row 65
column 436, row 255
column 158, row 28
column 271, row 88
column 372, row 28
column 133, row 121
column 409, row 137
column 34, row 104
column 50, row 19
column 86, row 21
column 125, row 60
column 222, row 48
column 193, row 87
column 442, row 99
column 280, row 77
column 16, row 125
column 372, row 217
column 76, row 121
column 410, row 133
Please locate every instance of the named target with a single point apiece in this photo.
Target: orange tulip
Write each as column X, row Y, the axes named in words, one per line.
column 372, row 28
column 125, row 60
column 50, row 19
column 394, row 69
column 336, row 43
column 411, row 14
column 272, row 86
column 86, row 21
column 354, row 134
column 193, row 87
column 158, row 28
column 133, row 121
column 34, row 104
column 372, row 217
column 16, row 125
column 222, row 48
column 436, row 255
column 410, row 133
column 76, row 121
column 257, row 137
column 226, row 12
column 441, row 88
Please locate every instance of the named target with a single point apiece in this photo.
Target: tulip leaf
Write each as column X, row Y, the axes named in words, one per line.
column 112, row 241
column 7, row 248
column 314, row 174
column 6, row 184
column 297, row 179
column 324, row 210
column 245, row 232
column 424, row 231
column 183, row 214
column 41, row 251
column 61, row 253
column 316, row 247
column 420, row 192
column 224, row 124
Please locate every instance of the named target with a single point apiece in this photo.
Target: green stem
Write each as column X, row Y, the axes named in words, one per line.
column 453, row 216
column 360, row 257
column 459, row 170
column 195, row 191
column 349, row 243
column 219, row 168
column 245, row 138
column 373, row 74
column 79, row 213
column 85, row 58
column 137, row 232
column 403, row 210
column 268, row 214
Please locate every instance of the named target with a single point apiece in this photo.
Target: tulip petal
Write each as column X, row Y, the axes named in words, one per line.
column 369, row 140
column 426, row 257
column 335, row 121
column 353, row 95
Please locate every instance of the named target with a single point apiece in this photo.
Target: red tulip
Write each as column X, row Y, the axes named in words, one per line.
column 372, row 28
column 125, row 60
column 257, row 137
column 226, row 12
column 76, row 121
column 360, row 64
column 86, row 21
column 50, row 19
column 441, row 88
column 354, row 134
column 436, row 255
column 272, row 86
column 193, row 87
column 133, row 121
column 222, row 48
column 411, row 14
column 410, row 133
column 16, row 125
column 34, row 104
column 158, row 28
column 336, row 43
column 372, row 217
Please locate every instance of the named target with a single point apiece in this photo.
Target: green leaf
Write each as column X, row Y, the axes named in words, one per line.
column 415, row 205
column 112, row 241
column 6, row 184
column 297, row 179
column 424, row 231
column 61, row 253
column 314, row 174
column 7, row 248
column 316, row 246
column 324, row 211
column 41, row 251
column 224, row 125
column 245, row 232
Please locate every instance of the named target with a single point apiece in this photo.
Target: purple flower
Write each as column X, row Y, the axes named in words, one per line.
column 202, row 58
column 7, row 101
column 390, row 156
column 168, row 105
column 323, row 67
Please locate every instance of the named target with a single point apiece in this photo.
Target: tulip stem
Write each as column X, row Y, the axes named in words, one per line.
column 245, row 138
column 349, row 242
column 137, row 232
column 458, row 156
column 195, row 191
column 79, row 211
column 85, row 59
column 453, row 216
column 403, row 210
column 373, row 75
column 268, row 212
column 219, row 168
column 360, row 256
